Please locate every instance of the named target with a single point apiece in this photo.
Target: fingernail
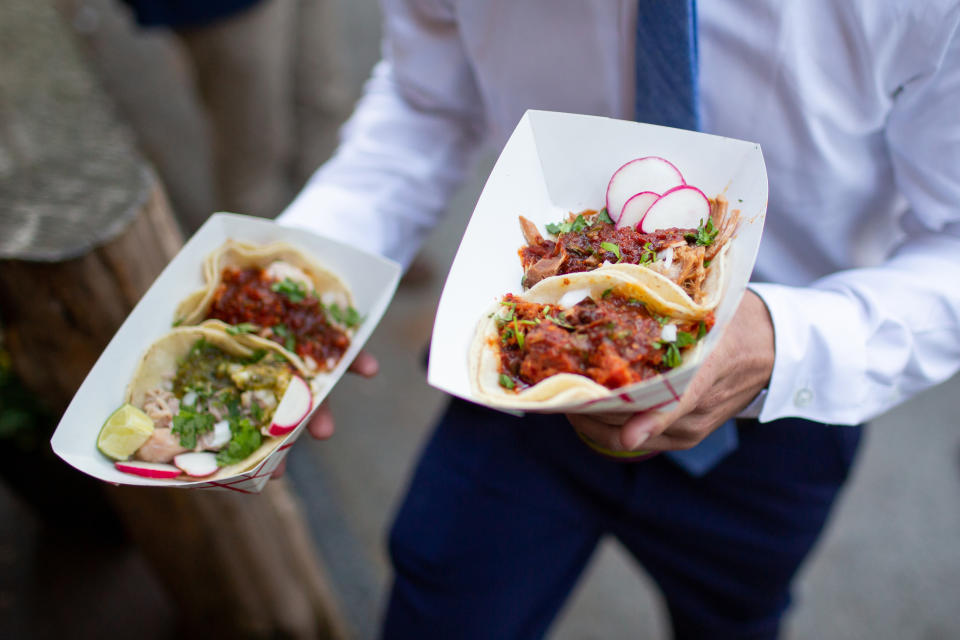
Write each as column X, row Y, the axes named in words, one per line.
column 638, row 441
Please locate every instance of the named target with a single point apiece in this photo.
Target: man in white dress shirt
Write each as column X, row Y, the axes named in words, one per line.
column 855, row 305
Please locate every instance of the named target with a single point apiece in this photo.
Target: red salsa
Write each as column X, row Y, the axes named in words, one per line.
column 289, row 315
column 614, row 341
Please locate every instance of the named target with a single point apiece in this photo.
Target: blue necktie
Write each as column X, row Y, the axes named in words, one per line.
column 667, row 94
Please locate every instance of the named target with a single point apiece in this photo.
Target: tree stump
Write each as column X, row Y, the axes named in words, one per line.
column 84, row 229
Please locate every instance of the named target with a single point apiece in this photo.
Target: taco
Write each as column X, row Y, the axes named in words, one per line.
column 682, row 267
column 579, row 337
column 204, row 392
column 277, row 293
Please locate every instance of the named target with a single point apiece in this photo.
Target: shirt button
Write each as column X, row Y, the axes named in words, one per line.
column 803, row 397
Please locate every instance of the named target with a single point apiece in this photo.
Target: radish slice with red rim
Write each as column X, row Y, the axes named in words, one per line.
column 197, row 464
column 682, row 207
column 651, row 173
column 635, row 208
column 148, row 469
column 293, row 408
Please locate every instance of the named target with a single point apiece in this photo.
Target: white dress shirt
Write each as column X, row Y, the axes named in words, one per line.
column 856, row 104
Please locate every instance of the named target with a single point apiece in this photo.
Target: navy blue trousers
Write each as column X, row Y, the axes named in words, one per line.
column 503, row 513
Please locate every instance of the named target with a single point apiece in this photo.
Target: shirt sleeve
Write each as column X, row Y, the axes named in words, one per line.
column 408, row 144
column 858, row 342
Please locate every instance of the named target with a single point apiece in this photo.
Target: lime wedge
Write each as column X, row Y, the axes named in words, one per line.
column 124, row 432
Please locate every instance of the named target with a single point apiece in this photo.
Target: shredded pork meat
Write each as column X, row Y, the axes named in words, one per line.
column 160, row 406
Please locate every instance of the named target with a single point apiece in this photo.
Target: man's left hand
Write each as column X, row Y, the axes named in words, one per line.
column 730, row 378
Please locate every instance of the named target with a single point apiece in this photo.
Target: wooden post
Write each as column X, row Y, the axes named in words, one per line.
column 81, row 239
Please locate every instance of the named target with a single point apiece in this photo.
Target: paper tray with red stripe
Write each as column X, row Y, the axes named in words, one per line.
column 372, row 280
column 555, row 163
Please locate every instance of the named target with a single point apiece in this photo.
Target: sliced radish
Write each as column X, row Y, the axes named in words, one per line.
column 197, row 464
column 682, row 207
column 148, row 469
column 635, row 208
column 651, row 173
column 293, row 408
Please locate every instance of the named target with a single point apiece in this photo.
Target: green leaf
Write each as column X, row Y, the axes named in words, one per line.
column 243, row 327
column 517, row 332
column 281, row 330
column 702, row 330
column 603, row 216
column 295, row 291
column 705, row 235
column 578, row 224
column 606, row 293
column 557, row 320
column 684, row 339
column 612, row 248
column 506, row 382
column 245, row 438
column 672, row 357
column 649, row 254
column 189, row 424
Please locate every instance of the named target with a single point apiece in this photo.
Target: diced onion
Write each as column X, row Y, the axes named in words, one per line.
column 667, row 256
column 668, row 333
column 189, row 399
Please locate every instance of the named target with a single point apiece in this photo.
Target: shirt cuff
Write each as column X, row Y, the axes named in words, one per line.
column 820, row 355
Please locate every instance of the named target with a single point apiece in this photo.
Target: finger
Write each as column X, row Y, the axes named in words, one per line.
column 280, row 470
column 365, row 365
column 321, row 424
column 608, row 436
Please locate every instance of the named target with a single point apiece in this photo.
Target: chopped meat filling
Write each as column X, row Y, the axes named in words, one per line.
column 614, row 341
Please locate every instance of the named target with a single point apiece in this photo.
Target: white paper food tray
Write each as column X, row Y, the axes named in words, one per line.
column 372, row 280
column 555, row 163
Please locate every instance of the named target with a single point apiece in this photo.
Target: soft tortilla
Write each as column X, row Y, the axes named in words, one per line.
column 671, row 295
column 159, row 364
column 241, row 255
column 562, row 389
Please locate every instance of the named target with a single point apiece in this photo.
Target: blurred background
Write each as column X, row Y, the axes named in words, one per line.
column 234, row 114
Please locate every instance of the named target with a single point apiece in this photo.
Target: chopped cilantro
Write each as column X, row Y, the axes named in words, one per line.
column 603, row 216
column 672, row 357
column 684, row 339
column 606, row 293
column 243, row 327
column 705, row 235
column 556, row 319
column 189, row 424
column 506, row 382
column 517, row 332
column 706, row 263
column 612, row 248
column 256, row 411
column 295, row 291
column 578, row 224
column 506, row 335
column 289, row 342
column 245, row 438
column 649, row 254
column 702, row 330
column 348, row 317
column 662, row 320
